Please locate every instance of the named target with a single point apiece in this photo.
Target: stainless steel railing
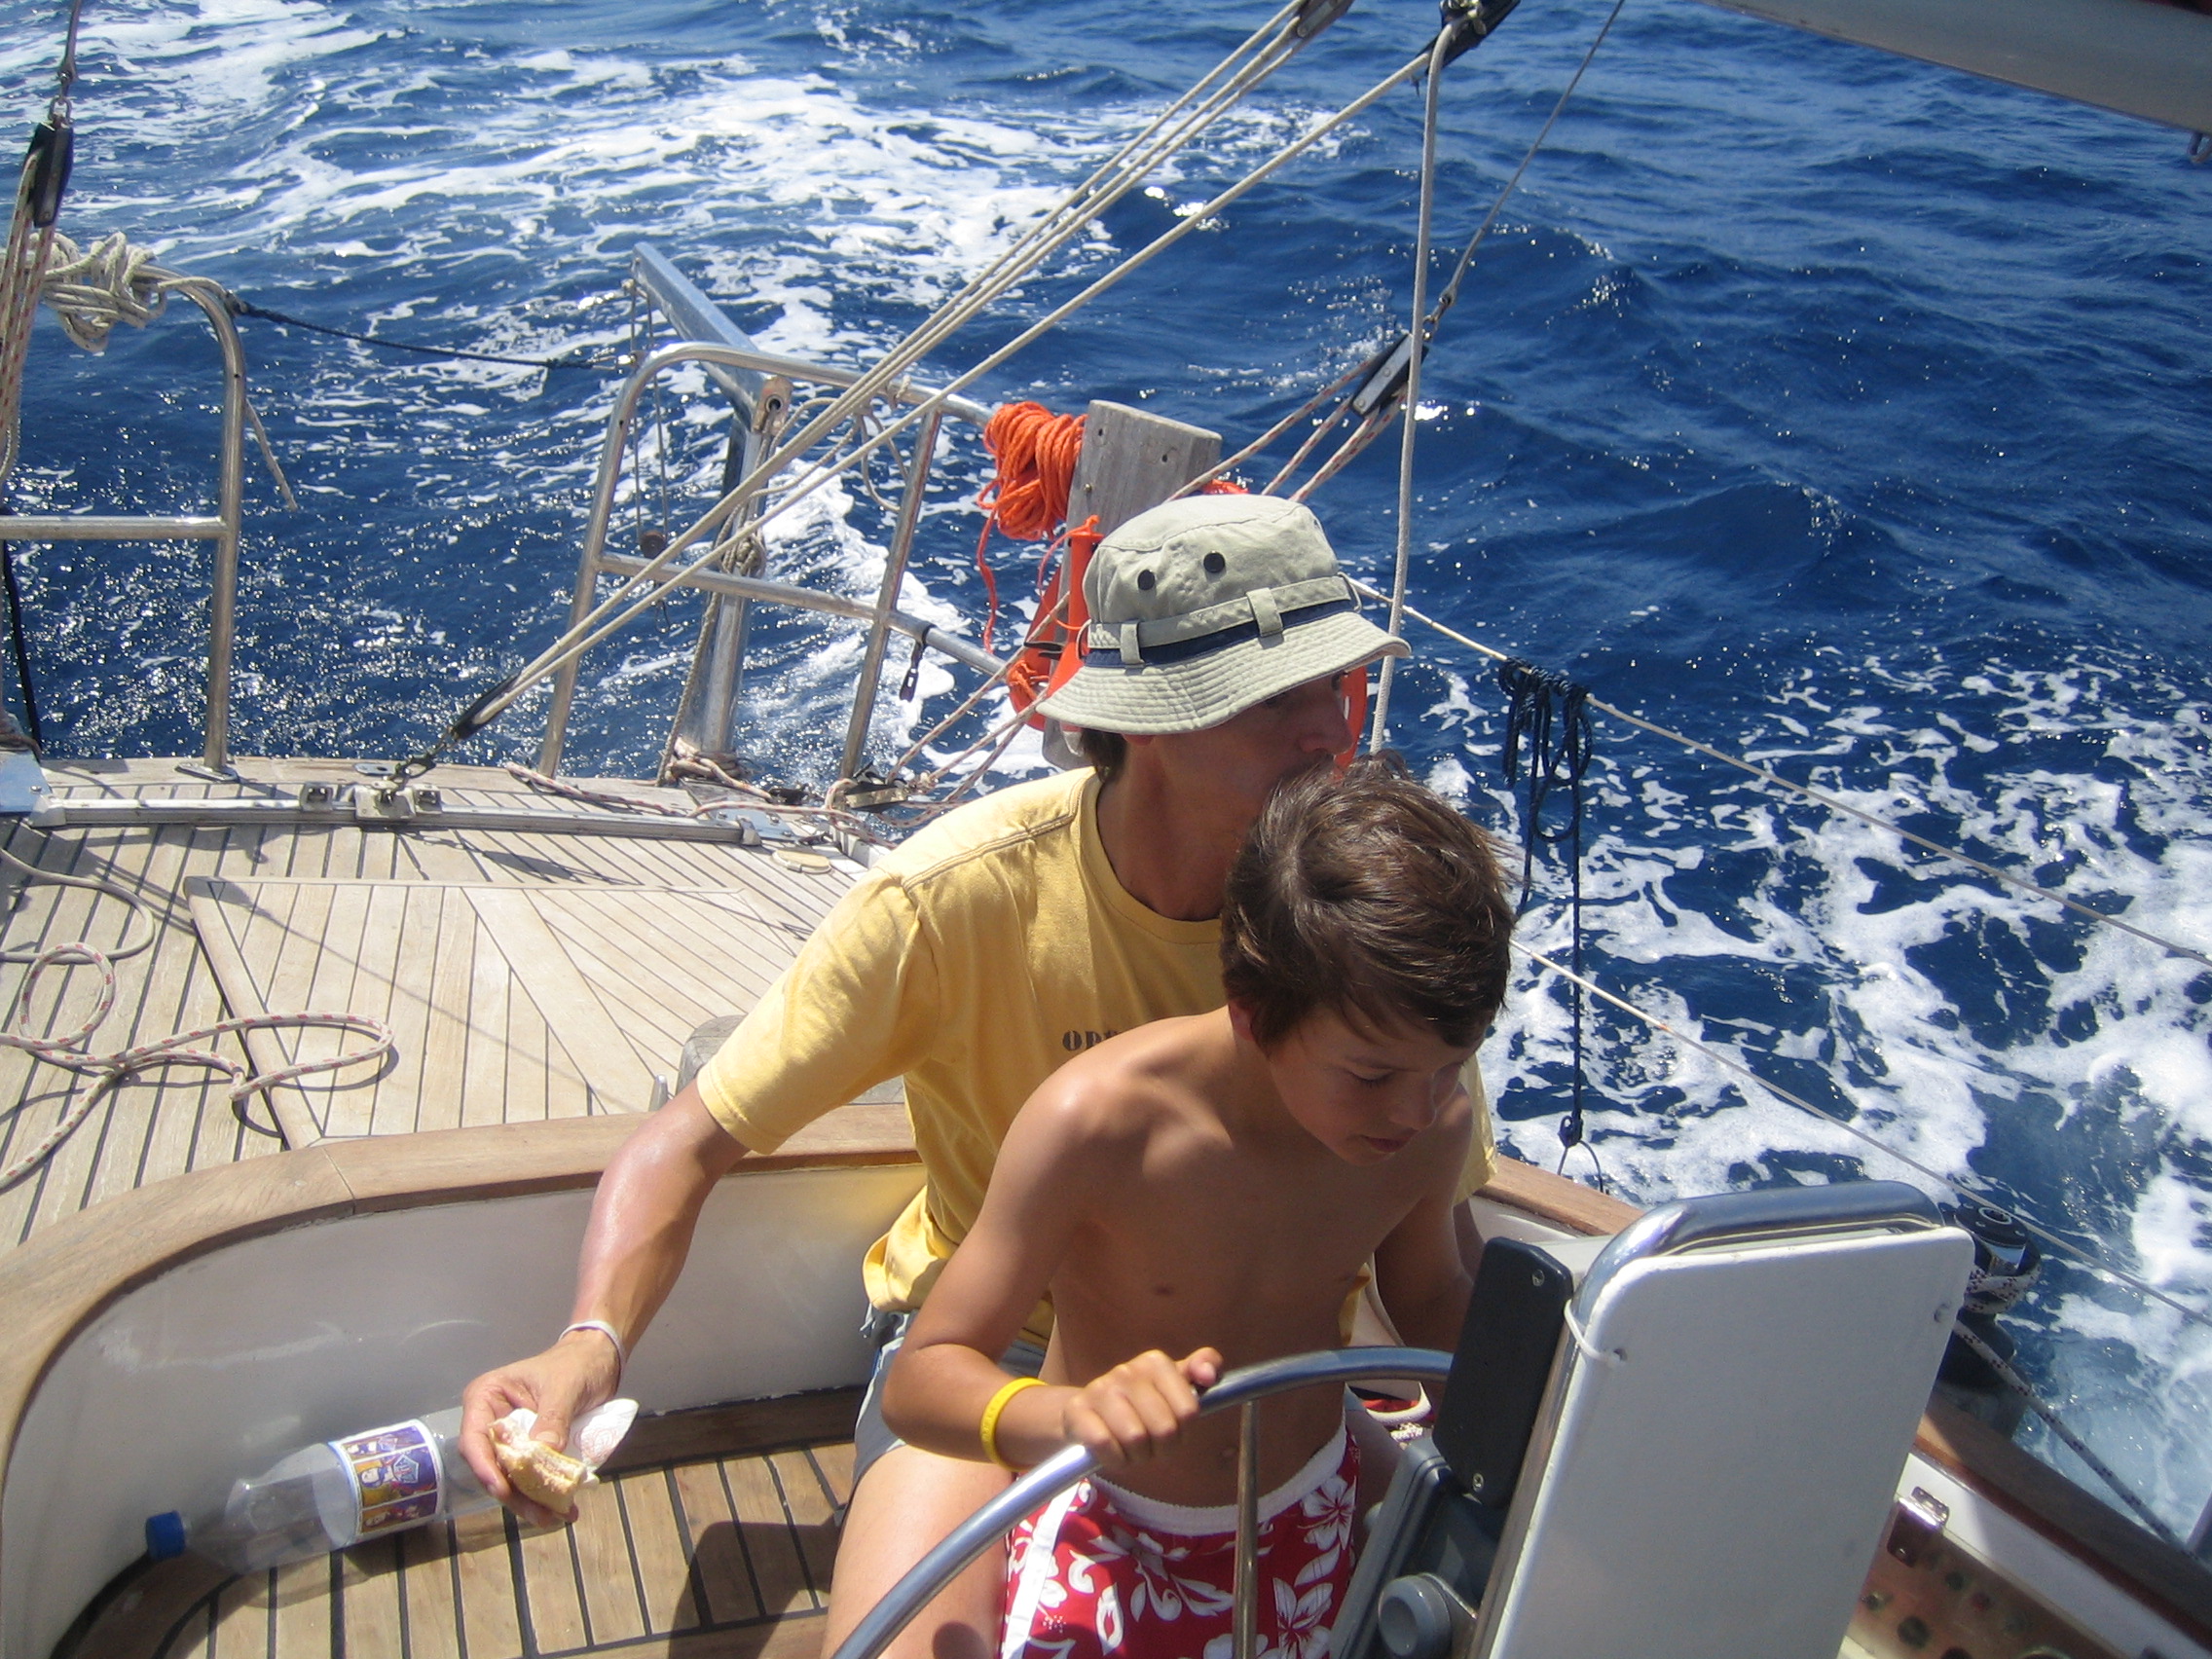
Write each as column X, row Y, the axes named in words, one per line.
column 222, row 528
column 748, row 375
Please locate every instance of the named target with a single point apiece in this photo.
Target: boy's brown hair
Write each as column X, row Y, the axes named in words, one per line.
column 1363, row 893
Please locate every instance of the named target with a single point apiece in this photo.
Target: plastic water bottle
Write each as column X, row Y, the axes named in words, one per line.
column 327, row 1497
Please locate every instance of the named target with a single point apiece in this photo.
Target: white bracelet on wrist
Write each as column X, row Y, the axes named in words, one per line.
column 621, row 1354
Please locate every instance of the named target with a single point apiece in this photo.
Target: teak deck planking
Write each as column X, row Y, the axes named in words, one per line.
column 723, row 1552
column 527, row 974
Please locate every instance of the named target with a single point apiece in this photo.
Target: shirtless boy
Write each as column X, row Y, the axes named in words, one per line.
column 1211, row 1188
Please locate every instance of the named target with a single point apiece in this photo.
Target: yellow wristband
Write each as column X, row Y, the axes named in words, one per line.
column 990, row 1428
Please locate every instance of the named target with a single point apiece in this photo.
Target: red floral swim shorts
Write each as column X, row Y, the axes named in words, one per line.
column 1104, row 1574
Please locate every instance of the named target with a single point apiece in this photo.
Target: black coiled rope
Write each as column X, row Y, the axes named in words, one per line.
column 1547, row 738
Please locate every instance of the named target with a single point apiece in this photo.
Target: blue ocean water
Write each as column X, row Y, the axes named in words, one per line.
column 1838, row 410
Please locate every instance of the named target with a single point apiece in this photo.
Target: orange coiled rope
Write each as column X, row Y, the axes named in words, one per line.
column 1027, row 497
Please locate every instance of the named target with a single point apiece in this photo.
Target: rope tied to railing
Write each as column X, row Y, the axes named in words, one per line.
column 90, row 289
column 1547, row 738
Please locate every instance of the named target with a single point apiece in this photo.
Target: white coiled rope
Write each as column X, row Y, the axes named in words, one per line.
column 94, row 288
column 71, row 1051
column 90, row 289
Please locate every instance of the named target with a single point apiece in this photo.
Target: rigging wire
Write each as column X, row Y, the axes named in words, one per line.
column 1167, row 131
column 1450, row 292
column 591, row 629
column 571, row 361
column 66, row 77
column 1424, row 221
column 2076, row 1253
column 1766, row 775
column 2073, row 1442
column 578, row 639
column 1376, row 374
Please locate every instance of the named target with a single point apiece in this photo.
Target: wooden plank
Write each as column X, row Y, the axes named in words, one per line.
column 660, row 1547
column 549, row 1579
column 834, row 1463
column 243, row 1629
column 205, row 1133
column 720, row 1575
column 444, row 1039
column 655, row 1013
column 813, row 1513
column 484, row 1577
column 805, row 899
column 618, row 942
column 604, row 1568
column 302, row 964
column 242, row 920
column 484, row 1074
column 303, row 1623
column 591, row 1039
column 778, row 1570
column 746, row 1427
column 304, row 851
column 531, row 859
column 397, row 1100
column 215, row 906
column 145, row 1611
column 373, row 858
column 539, row 1086
column 195, row 1635
column 218, row 1137
column 360, row 974
column 444, row 859
column 728, row 943
column 368, row 1577
column 46, row 915
column 1132, row 460
column 101, row 1155
column 428, row 1593
column 147, row 986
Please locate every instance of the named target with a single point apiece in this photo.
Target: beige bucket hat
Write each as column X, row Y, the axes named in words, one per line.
column 1204, row 606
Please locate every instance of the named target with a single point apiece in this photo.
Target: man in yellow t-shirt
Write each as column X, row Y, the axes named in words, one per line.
column 975, row 959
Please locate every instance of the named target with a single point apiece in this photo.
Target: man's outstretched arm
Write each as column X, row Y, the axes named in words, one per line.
column 641, row 1221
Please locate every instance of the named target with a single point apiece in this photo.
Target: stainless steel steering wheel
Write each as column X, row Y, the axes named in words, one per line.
column 1041, row 1485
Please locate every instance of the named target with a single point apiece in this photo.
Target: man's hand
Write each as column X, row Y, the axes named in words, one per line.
column 1136, row 1411
column 578, row 1372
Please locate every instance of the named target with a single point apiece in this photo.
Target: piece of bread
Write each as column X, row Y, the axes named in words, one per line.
column 537, row 1471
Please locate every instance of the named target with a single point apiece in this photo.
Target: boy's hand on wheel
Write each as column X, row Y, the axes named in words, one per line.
column 1136, row 1411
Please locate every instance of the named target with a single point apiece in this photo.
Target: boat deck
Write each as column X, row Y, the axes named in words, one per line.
column 711, row 1534
column 548, row 970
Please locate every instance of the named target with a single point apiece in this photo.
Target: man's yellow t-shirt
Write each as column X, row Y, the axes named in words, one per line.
column 973, row 960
